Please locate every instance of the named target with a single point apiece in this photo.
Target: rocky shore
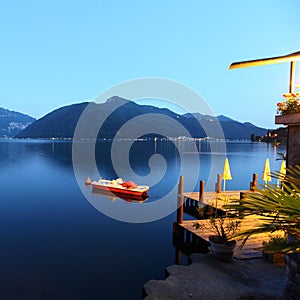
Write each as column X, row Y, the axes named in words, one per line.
column 208, row 278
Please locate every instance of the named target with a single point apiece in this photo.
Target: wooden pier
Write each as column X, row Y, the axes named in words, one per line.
column 185, row 234
column 216, row 199
column 189, row 234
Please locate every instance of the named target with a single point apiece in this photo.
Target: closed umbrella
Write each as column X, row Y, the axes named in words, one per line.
column 226, row 173
column 282, row 172
column 266, row 175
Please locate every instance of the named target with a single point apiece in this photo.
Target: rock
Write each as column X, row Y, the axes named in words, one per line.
column 208, row 278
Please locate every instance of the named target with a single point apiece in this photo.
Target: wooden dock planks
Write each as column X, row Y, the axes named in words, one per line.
column 248, row 251
column 217, row 200
column 186, row 233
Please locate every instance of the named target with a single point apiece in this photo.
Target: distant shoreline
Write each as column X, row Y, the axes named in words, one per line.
column 180, row 139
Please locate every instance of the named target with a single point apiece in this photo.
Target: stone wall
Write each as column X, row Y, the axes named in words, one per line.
column 293, row 140
column 293, row 276
column 293, row 146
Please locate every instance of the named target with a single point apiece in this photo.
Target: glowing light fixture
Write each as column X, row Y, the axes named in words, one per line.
column 292, row 58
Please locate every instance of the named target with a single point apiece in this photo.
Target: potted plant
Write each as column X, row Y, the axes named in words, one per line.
column 221, row 244
column 290, row 104
column 270, row 246
column 288, row 110
column 279, row 209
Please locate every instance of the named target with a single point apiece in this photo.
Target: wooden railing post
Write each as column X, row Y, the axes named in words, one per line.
column 242, row 197
column 218, row 188
column 201, row 190
column 254, row 181
column 180, row 200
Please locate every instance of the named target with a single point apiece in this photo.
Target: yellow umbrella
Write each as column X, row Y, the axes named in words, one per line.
column 282, row 168
column 226, row 172
column 282, row 171
column 266, row 175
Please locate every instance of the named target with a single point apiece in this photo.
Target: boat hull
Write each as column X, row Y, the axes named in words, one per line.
column 119, row 190
column 129, row 198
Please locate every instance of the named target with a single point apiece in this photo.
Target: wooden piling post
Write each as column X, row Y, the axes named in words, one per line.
column 180, row 200
column 219, row 183
column 201, row 190
column 254, row 181
column 177, row 256
column 188, row 236
column 242, row 197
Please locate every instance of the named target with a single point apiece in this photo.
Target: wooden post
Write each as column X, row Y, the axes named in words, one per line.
column 254, row 181
column 177, row 256
column 219, row 183
column 180, row 200
column 201, row 190
column 178, row 234
column 188, row 236
column 292, row 76
column 242, row 197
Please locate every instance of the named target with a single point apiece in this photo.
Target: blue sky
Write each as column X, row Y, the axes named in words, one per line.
column 55, row 53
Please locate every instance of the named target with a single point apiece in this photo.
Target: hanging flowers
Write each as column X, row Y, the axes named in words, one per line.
column 290, row 104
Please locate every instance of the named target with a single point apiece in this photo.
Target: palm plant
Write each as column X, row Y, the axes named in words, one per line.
column 278, row 208
column 223, row 227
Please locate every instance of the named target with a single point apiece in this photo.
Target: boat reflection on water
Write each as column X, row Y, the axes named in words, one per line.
column 113, row 196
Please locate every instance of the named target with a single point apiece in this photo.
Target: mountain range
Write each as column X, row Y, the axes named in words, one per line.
column 62, row 122
column 12, row 122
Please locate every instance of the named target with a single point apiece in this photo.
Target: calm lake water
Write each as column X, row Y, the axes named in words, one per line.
column 56, row 245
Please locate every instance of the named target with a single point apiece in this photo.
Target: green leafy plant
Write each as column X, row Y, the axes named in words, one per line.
column 275, row 243
column 224, row 227
column 278, row 208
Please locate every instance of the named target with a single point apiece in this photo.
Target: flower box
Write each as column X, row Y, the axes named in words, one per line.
column 275, row 258
column 287, row 119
